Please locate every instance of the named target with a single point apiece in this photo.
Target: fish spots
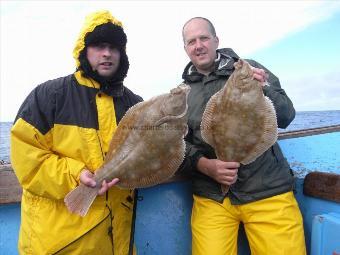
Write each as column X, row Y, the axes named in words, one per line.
column 239, row 122
column 137, row 156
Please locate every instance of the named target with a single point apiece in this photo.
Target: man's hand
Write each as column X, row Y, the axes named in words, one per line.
column 221, row 171
column 87, row 178
column 260, row 75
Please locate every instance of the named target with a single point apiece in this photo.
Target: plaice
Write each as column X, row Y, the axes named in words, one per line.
column 146, row 149
column 239, row 122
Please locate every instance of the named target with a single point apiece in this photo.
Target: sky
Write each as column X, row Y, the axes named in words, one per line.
column 299, row 41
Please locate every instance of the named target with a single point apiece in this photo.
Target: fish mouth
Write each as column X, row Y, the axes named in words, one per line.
column 181, row 87
column 185, row 87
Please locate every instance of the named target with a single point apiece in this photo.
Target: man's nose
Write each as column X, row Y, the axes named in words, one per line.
column 107, row 51
column 198, row 44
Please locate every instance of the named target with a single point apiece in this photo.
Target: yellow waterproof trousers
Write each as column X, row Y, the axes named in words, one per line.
column 99, row 240
column 273, row 226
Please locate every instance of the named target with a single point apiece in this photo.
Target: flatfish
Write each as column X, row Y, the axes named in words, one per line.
column 239, row 122
column 146, row 149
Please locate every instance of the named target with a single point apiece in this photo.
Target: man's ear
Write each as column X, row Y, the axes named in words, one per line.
column 217, row 41
column 185, row 49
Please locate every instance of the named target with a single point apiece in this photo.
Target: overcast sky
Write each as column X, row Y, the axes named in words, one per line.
column 297, row 40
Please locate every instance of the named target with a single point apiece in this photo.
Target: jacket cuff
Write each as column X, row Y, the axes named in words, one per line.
column 266, row 90
column 195, row 157
column 75, row 168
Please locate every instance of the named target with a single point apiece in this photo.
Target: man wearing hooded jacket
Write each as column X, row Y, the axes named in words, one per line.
column 260, row 193
column 60, row 137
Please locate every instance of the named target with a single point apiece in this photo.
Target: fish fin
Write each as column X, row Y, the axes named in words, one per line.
column 224, row 189
column 185, row 131
column 270, row 133
column 125, row 126
column 80, row 199
column 207, row 117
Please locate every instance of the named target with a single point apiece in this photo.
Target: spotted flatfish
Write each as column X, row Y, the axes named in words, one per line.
column 239, row 122
column 146, row 149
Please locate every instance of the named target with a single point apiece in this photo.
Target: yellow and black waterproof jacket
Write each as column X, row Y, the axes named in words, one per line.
column 64, row 126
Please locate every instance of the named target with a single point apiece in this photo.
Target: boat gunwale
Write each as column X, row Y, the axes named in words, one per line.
column 10, row 189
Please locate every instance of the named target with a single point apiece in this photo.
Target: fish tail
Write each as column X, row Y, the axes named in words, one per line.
column 224, row 189
column 80, row 199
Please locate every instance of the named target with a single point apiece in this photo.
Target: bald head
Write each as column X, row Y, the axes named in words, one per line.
column 200, row 44
column 208, row 22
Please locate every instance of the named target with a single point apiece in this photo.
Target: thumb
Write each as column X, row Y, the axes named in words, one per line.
column 86, row 177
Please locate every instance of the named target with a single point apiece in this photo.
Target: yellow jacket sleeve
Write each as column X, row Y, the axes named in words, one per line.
column 40, row 170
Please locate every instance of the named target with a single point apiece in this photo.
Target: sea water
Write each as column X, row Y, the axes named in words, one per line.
column 303, row 120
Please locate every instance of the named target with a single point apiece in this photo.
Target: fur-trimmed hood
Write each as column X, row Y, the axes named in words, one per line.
column 102, row 27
